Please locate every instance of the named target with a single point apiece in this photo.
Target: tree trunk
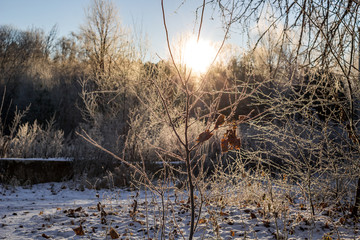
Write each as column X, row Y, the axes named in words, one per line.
column 192, row 200
column 357, row 196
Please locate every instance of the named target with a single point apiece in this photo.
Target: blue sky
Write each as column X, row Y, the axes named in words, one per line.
column 69, row 15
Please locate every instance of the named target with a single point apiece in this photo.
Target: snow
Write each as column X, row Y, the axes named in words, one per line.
column 54, row 210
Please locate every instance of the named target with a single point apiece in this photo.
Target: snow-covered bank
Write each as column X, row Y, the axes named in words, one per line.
column 57, row 210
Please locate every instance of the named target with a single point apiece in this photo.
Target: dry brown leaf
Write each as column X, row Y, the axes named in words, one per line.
column 45, row 236
column 236, row 144
column 232, row 233
column 266, row 223
column 224, row 145
column 233, row 140
column 342, row 220
column 78, row 209
column 326, row 225
column 219, row 121
column 230, row 140
column 224, row 213
column 202, row 220
column 252, row 216
column 79, row 231
column 114, row 234
column 302, row 206
column 204, row 136
column 41, row 213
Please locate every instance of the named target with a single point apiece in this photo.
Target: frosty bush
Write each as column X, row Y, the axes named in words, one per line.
column 35, row 140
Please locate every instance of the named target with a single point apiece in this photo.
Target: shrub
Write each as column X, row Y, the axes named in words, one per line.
column 34, row 140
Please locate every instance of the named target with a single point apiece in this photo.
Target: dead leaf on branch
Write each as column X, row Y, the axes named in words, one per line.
column 233, row 139
column 204, row 136
column 219, row 121
column 230, row 141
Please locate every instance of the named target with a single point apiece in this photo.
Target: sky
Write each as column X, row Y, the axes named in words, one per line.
column 146, row 15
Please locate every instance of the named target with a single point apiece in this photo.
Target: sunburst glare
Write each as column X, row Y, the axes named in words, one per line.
column 198, row 55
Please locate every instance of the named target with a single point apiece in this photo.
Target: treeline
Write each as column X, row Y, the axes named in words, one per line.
column 80, row 82
column 46, row 79
column 42, row 72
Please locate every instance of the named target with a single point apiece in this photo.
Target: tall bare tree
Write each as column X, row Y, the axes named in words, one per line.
column 110, row 56
column 102, row 37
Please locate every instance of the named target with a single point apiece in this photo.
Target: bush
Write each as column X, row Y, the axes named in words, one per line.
column 36, row 141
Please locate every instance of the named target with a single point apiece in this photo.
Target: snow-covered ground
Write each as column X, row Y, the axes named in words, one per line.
column 60, row 211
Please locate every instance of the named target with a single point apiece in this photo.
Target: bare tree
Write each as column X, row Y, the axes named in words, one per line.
column 103, row 38
column 107, row 46
column 110, row 55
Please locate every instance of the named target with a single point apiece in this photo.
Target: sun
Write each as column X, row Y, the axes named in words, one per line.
column 198, row 55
